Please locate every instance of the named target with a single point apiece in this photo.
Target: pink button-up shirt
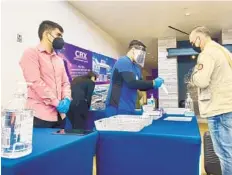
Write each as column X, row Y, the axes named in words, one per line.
column 49, row 82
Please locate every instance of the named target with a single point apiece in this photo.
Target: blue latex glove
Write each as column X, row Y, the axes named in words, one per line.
column 63, row 106
column 67, row 102
column 158, row 82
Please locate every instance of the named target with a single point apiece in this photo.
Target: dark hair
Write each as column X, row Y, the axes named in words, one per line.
column 48, row 25
column 90, row 74
column 137, row 43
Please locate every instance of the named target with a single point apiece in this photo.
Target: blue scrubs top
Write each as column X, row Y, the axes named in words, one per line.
column 128, row 97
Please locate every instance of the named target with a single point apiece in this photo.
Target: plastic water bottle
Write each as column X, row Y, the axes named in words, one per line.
column 189, row 108
column 16, row 127
column 152, row 100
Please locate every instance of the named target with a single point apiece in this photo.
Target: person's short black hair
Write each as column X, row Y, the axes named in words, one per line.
column 48, row 25
column 91, row 74
column 88, row 76
column 137, row 44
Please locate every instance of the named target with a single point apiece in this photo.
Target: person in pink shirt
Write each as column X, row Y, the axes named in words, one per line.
column 49, row 92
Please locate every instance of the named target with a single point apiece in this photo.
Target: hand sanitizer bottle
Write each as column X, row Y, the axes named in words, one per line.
column 17, row 127
column 189, row 108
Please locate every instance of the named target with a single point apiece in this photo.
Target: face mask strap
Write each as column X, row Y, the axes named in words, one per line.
column 196, row 41
column 51, row 36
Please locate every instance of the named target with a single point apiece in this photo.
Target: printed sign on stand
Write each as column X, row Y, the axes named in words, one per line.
column 79, row 62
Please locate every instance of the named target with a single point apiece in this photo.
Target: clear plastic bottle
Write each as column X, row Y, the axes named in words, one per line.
column 16, row 127
column 189, row 106
column 152, row 100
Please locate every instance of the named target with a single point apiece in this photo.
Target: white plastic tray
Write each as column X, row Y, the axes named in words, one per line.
column 129, row 123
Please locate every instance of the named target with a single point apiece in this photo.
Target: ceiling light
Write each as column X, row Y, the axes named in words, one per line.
column 193, row 57
column 186, row 12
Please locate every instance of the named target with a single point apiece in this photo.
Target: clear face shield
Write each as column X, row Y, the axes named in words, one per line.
column 139, row 55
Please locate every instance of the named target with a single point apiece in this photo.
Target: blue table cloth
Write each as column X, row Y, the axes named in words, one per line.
column 55, row 155
column 164, row 148
column 93, row 116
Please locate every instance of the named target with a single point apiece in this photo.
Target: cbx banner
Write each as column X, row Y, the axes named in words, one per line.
column 77, row 61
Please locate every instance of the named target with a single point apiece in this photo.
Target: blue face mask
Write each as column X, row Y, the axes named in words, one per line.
column 57, row 43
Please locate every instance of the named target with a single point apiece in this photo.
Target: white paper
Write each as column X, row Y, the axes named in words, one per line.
column 167, row 97
column 178, row 111
column 152, row 113
column 168, row 103
column 182, row 119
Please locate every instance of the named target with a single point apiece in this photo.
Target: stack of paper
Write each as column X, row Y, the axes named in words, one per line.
column 175, row 111
column 182, row 119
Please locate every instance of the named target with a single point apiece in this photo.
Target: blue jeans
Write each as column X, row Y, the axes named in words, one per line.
column 220, row 128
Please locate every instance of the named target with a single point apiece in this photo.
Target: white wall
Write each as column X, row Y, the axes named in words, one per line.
column 25, row 17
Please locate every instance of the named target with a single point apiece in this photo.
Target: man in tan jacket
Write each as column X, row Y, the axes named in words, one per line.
column 213, row 77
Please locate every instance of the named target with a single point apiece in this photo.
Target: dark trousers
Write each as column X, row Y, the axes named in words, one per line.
column 78, row 114
column 38, row 123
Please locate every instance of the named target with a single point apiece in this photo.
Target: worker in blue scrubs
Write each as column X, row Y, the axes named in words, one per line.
column 126, row 79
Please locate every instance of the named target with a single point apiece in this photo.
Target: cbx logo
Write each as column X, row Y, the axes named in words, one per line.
column 80, row 55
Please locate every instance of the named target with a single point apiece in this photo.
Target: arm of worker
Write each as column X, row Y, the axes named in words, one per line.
column 125, row 68
column 31, row 71
column 90, row 90
column 203, row 70
column 132, row 83
column 66, row 89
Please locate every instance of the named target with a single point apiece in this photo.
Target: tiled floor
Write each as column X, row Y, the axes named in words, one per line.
column 203, row 129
